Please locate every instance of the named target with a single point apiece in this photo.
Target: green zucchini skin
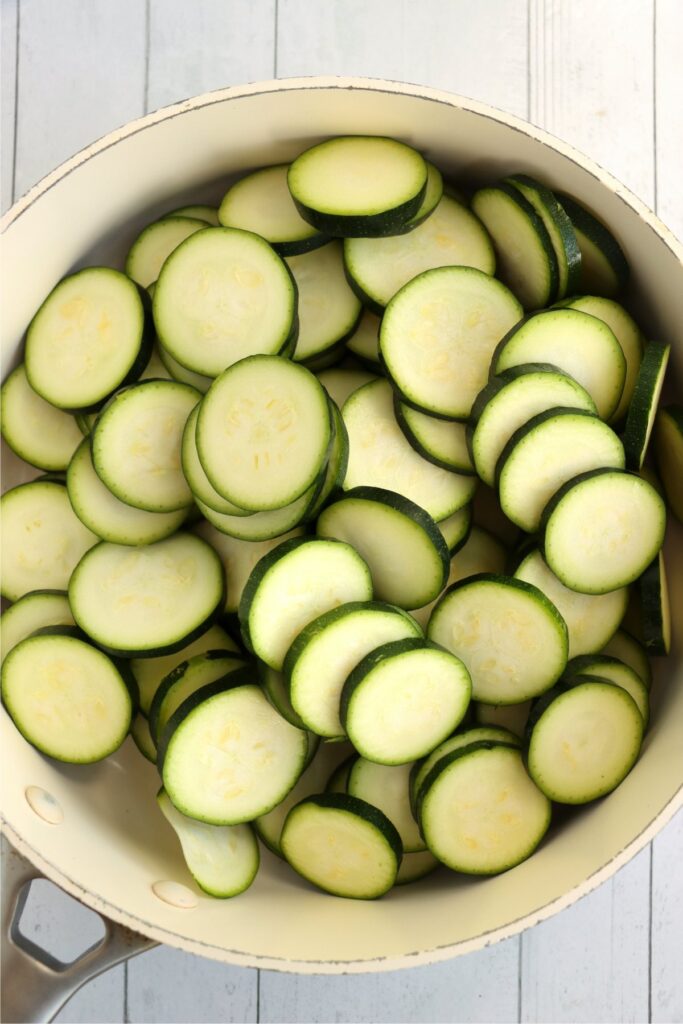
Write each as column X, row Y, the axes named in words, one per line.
column 602, row 238
column 654, row 605
column 569, row 254
column 669, row 455
column 641, row 413
column 362, row 809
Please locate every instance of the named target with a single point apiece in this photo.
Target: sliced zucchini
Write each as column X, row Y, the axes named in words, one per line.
column 180, row 373
column 406, row 553
column 480, row 812
column 88, row 338
column 198, row 211
column 433, row 193
column 155, row 370
column 264, row 525
column 277, row 692
column 222, row 859
column 341, row 384
column 43, row 540
column 34, row 610
column 553, row 447
column 142, row 738
column 526, row 260
column 293, row 585
column 592, row 619
column 227, row 756
column 442, row 442
column 149, row 672
column 222, row 295
column 136, row 445
column 643, row 408
column 456, row 529
column 263, row 433
column 604, row 270
column 147, row 601
column 403, row 699
column 66, row 698
column 380, row 456
column 337, row 463
column 339, row 779
column 510, row 400
column 612, row 670
column 439, row 333
column 193, row 471
column 560, row 231
column 576, row 343
column 184, row 680
column 358, row 186
column 669, row 454
column 364, row 342
column 386, row 788
column 328, row 309
column 632, row 653
column 602, row 530
column 105, row 514
column 626, row 331
column 154, row 245
column 511, row 638
column 36, row 431
column 583, row 741
column 323, row 654
column 415, row 866
column 451, row 236
column 261, row 202
column 507, row 716
column 655, row 608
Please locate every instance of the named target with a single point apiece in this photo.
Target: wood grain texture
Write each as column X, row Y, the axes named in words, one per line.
column 8, row 60
column 669, row 108
column 196, row 47
column 481, row 987
column 666, row 999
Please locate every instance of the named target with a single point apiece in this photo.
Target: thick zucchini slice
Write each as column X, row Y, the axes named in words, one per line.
column 154, row 245
column 632, row 653
column 432, row 197
column 176, row 371
column 643, row 407
column 358, row 186
column 451, row 236
column 442, row 442
column 511, row 638
column 439, row 333
column 604, row 270
column 465, row 738
column 415, row 866
column 328, row 310
column 264, row 525
column 193, row 471
column 560, row 231
column 612, row 670
column 277, row 691
column 669, row 454
column 386, row 787
column 337, row 463
column 602, row 530
column 456, row 529
column 655, row 609
column 402, row 545
column 66, row 698
column 184, row 680
column 33, row 611
column 39, row 433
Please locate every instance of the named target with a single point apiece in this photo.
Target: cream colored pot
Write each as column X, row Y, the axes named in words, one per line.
column 111, row 845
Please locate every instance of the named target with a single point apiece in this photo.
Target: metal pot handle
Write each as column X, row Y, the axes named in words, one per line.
column 35, row 986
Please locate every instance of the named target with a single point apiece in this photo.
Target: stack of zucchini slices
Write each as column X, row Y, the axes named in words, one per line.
column 346, row 515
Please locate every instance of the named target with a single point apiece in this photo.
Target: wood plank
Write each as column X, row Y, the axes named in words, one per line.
column 101, row 1001
column 428, row 42
column 667, row 925
column 196, row 47
column 590, row 963
column 603, row 106
column 167, row 985
column 669, row 89
column 481, row 987
column 81, row 73
column 8, row 58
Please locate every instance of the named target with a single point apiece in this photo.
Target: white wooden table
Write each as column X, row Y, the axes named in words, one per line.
column 605, row 75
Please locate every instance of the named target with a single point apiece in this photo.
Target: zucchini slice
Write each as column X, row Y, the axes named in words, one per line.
column 592, row 619
column 142, row 738
column 222, row 295
column 226, row 756
column 105, row 514
column 264, row 525
column 415, row 866
column 402, row 699
column 330, row 647
column 604, row 270
column 507, row 716
column 261, row 202
column 602, row 530
column 578, row 344
column 277, row 691
column 136, row 445
column 358, row 186
column 583, row 741
column 432, row 197
column 198, row 211
column 66, row 698
column 627, row 649
column 643, row 408
column 456, row 529
column 342, row 845
column 560, row 231
column 380, row 456
column 263, row 433
column 43, row 539
column 480, row 813
column 510, row 400
column 193, row 471
column 386, row 787
column 222, row 859
column 339, row 779
column 340, row 384
column 439, row 333
column 442, row 442
column 39, row 433
column 451, row 236
column 184, row 680
column 669, row 454
column 178, row 372
column 154, row 245
column 337, row 464
column 328, row 310
column 552, row 448
column 524, row 250
column 401, row 544
column 293, row 585
column 147, row 601
column 511, row 638
column 33, row 611
column 364, row 343
column 655, row 608
column 88, row 338
column 612, row 670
